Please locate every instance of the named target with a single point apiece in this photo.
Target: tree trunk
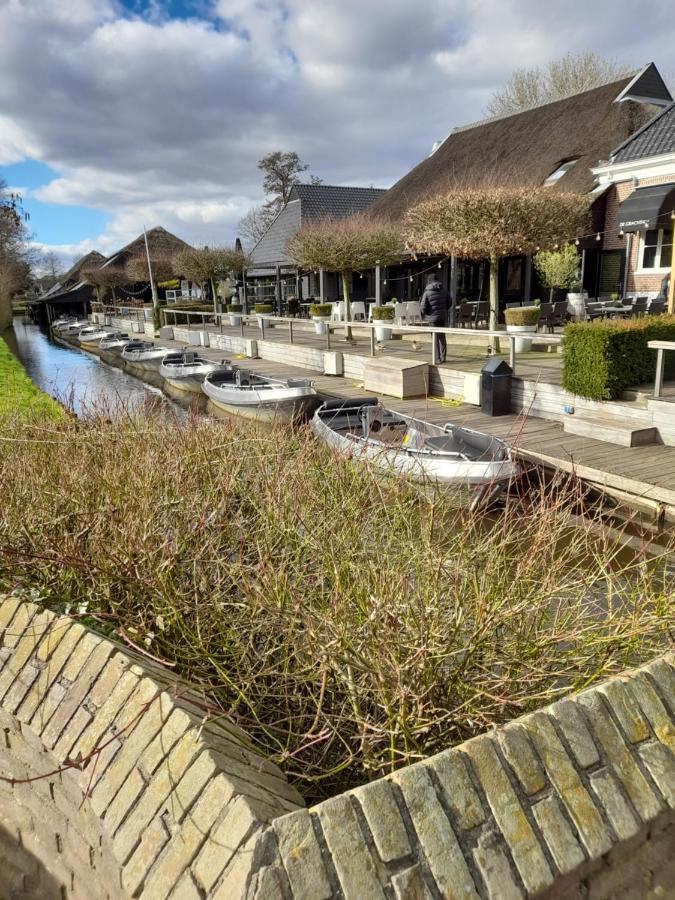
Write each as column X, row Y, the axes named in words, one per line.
column 550, row 296
column 5, row 310
column 215, row 295
column 494, row 300
column 346, row 280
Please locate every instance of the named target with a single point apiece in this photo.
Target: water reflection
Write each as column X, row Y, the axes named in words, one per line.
column 79, row 380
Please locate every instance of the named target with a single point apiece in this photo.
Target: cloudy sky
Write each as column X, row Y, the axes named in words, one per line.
column 118, row 114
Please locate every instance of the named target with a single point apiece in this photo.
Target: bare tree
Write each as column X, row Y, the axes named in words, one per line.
column 15, row 255
column 209, row 264
column 559, row 78
column 255, row 223
column 345, row 245
column 492, row 222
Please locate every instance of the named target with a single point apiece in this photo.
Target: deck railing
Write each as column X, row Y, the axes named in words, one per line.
column 262, row 322
column 661, row 347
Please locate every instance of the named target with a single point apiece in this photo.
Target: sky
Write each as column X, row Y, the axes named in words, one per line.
column 118, row 115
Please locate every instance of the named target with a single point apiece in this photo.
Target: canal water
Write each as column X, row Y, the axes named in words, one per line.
column 78, row 380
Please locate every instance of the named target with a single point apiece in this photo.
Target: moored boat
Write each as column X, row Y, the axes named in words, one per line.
column 73, row 327
column 114, row 341
column 143, row 355
column 239, row 392
column 186, row 370
column 91, row 336
column 478, row 464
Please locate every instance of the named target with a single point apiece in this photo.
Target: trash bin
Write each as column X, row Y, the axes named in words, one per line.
column 495, row 387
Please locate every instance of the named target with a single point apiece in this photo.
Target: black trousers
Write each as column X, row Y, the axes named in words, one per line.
column 439, row 339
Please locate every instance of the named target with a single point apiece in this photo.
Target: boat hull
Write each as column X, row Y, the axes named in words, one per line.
column 188, row 384
column 282, row 413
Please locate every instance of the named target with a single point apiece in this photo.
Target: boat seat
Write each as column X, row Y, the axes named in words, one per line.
column 444, row 442
column 243, row 377
column 189, row 358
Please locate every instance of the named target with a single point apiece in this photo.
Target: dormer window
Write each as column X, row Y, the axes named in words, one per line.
column 562, row 169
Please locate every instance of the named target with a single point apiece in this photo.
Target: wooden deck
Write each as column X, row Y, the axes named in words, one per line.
column 643, row 477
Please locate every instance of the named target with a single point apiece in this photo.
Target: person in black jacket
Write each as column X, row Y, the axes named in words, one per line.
column 434, row 308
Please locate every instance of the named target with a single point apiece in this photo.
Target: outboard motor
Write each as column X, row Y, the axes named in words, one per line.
column 371, row 420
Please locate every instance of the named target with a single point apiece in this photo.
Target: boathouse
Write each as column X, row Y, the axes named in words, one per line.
column 71, row 293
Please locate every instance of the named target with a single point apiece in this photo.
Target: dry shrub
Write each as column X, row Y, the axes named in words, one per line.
column 351, row 624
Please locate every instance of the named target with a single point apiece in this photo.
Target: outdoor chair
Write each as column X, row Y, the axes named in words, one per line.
column 358, row 310
column 546, row 316
column 338, row 313
column 514, row 305
column 466, row 315
column 640, row 306
column 482, row 312
column 560, row 312
column 400, row 313
column 413, row 311
column 657, row 307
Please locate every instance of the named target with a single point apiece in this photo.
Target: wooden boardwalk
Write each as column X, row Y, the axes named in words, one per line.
column 641, row 477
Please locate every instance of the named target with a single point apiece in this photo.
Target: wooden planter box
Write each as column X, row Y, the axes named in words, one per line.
column 400, row 378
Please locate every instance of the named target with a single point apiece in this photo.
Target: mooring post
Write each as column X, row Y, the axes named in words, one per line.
column 512, row 352
column 372, row 342
column 328, row 335
column 434, row 358
column 290, row 331
column 658, row 382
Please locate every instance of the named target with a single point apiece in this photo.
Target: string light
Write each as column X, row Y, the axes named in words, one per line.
column 577, row 242
column 439, row 265
column 597, row 237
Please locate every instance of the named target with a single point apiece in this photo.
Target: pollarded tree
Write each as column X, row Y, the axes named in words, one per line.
column 209, row 264
column 111, row 277
column 557, row 268
column 493, row 222
column 345, row 246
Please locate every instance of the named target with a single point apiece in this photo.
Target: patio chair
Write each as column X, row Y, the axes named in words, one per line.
column 482, row 312
column 656, row 307
column 640, row 306
column 466, row 315
column 413, row 311
column 560, row 312
column 358, row 310
column 338, row 313
column 546, row 316
column 400, row 313
column 514, row 305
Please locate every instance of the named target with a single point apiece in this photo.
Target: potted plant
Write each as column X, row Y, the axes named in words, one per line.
column 383, row 314
column 235, row 311
column 261, row 310
column 560, row 269
column 522, row 320
column 320, row 313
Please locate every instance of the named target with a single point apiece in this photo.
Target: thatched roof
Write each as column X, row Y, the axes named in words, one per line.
column 73, row 277
column 526, row 148
column 160, row 243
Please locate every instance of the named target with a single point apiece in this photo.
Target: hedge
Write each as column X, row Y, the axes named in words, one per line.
column 603, row 358
column 522, row 315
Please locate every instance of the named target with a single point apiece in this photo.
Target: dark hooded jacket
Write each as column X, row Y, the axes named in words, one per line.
column 435, row 303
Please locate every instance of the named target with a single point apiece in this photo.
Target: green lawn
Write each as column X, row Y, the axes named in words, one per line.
column 18, row 393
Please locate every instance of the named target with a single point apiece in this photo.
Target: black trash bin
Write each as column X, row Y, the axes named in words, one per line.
column 495, row 387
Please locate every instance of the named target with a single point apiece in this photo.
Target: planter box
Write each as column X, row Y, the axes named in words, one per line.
column 400, row 378
column 166, row 333
column 333, row 363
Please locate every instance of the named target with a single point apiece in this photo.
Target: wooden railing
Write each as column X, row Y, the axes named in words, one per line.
column 660, row 347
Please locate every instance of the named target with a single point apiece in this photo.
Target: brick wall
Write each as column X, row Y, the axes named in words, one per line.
column 648, row 285
column 139, row 794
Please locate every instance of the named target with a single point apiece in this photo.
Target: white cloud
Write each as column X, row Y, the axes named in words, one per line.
column 160, row 121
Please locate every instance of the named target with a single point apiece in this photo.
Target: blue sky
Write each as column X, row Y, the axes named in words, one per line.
column 115, row 115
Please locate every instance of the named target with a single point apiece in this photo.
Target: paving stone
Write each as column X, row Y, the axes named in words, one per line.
column 23, row 650
column 228, row 834
column 641, row 795
column 301, row 856
column 351, row 857
column 656, row 712
column 8, row 608
column 384, row 819
column 439, row 843
column 458, row 790
column 660, row 763
column 621, row 818
column 114, row 708
column 576, row 732
column 237, row 876
column 186, row 889
column 64, row 745
column 134, row 785
column 495, row 869
column 626, row 709
column 270, row 884
column 20, row 686
column 59, row 629
column 153, row 839
column 410, row 885
column 520, row 756
column 78, row 659
column 16, row 616
column 562, row 844
column 521, row 840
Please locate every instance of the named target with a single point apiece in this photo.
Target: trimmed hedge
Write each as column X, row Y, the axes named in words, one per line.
column 603, row 358
column 263, row 308
column 383, row 313
column 321, row 309
column 522, row 315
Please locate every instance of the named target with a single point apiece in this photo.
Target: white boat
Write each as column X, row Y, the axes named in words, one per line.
column 61, row 322
column 114, row 342
column 144, row 355
column 90, row 336
column 185, row 370
column 401, row 445
column 238, row 392
column 73, row 327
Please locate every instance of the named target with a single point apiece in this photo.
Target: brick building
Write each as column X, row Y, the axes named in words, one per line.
column 639, row 185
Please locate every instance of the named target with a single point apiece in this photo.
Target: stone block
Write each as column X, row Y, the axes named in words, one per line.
column 384, row 819
column 352, row 860
column 104, row 720
column 15, row 618
column 577, row 735
column 622, row 763
column 23, row 649
column 509, row 815
column 153, row 839
column 458, row 790
column 562, row 843
column 663, row 674
column 58, row 656
column 520, row 756
column 301, row 856
column 660, row 763
column 618, row 811
column 434, row 831
column 410, row 885
column 236, row 823
column 653, row 707
column 626, row 709
column 569, row 786
column 495, row 869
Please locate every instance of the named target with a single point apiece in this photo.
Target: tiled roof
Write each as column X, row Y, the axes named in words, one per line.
column 653, row 139
column 308, row 202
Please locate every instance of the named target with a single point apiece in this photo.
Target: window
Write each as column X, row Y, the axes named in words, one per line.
column 558, row 173
column 655, row 249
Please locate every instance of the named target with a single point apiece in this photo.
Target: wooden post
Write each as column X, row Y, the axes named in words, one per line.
column 671, row 286
column 372, row 342
column 512, row 352
column 453, row 291
column 658, row 382
column 290, row 331
column 434, row 358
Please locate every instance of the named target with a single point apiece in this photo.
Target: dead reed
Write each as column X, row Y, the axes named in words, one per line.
column 351, row 624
